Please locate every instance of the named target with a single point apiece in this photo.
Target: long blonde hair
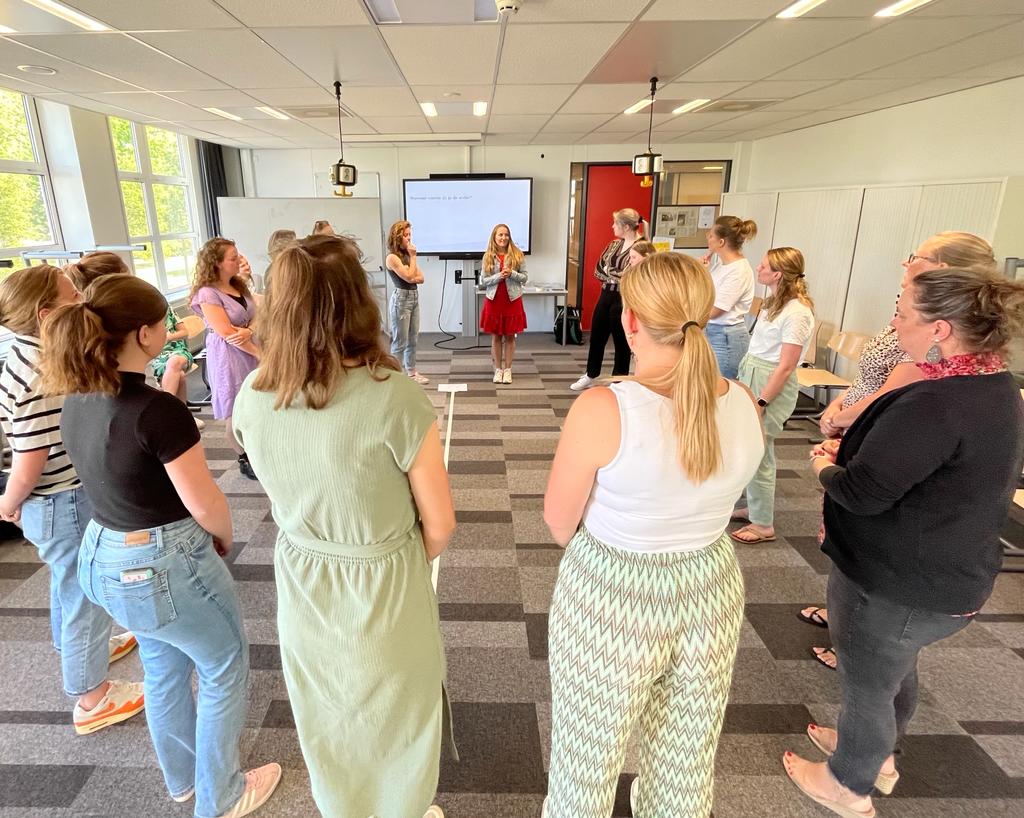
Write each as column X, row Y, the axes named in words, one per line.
column 319, row 313
column 672, row 295
column 513, row 255
column 24, row 293
column 790, row 262
column 963, row 250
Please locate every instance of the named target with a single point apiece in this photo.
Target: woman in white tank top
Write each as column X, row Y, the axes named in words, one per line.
column 646, row 613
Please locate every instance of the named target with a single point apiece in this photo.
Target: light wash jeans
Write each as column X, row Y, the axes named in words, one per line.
column 405, row 326
column 729, row 343
column 186, row 618
column 54, row 524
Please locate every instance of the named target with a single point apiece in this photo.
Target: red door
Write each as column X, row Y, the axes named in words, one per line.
column 609, row 188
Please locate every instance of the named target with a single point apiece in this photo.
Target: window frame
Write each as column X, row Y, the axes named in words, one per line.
column 154, row 238
column 39, row 167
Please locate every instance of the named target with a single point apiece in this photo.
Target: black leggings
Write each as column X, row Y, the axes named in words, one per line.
column 607, row 320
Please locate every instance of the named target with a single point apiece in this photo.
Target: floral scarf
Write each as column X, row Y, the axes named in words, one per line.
column 973, row 363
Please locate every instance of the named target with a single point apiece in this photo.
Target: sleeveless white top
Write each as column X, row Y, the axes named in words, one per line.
column 643, row 501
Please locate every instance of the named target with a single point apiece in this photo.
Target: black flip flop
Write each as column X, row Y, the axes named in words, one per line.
column 826, row 651
column 813, row 618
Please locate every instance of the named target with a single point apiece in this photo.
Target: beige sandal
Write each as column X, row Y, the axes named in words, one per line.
column 828, row 803
column 885, row 783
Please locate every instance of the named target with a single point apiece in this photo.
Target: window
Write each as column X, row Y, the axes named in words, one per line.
column 26, row 203
column 159, row 207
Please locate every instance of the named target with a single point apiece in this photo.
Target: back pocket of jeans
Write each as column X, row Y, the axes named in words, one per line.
column 140, row 606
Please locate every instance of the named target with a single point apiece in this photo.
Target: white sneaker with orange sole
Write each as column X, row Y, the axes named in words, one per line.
column 259, row 786
column 121, row 645
column 434, row 812
column 121, row 701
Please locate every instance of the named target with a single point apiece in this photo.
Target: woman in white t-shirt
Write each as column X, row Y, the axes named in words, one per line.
column 734, row 290
column 646, row 613
column 781, row 335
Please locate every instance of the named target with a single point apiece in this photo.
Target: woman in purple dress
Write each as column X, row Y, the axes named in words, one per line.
column 221, row 296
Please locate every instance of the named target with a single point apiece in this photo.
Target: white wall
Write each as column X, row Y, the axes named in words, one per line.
column 290, row 173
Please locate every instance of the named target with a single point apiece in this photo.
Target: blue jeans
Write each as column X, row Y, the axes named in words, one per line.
column 729, row 343
column 405, row 326
column 186, row 617
column 877, row 642
column 54, row 524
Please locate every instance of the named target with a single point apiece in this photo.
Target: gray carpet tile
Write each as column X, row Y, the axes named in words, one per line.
column 964, row 756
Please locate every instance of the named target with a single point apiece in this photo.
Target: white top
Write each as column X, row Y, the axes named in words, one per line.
column 734, row 290
column 643, row 501
column 793, row 325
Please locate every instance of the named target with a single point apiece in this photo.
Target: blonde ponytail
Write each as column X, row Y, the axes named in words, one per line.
column 672, row 295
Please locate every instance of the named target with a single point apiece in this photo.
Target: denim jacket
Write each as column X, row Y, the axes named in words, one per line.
column 513, row 284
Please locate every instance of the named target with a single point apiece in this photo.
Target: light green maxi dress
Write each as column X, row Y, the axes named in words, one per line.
column 357, row 616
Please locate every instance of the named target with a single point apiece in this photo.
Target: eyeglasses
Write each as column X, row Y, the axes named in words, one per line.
column 914, row 257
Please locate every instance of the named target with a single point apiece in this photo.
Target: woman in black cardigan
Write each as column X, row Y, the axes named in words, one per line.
column 914, row 500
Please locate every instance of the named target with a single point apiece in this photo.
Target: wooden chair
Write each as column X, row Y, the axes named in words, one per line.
column 846, row 345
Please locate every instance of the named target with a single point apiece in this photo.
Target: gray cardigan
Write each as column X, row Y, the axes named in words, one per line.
column 514, row 283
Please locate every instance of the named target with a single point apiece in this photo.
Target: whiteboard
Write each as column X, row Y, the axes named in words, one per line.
column 249, row 221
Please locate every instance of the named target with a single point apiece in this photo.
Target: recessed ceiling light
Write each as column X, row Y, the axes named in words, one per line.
column 224, row 114
column 896, row 9
column 479, row 109
column 692, row 105
column 70, row 15
column 714, row 167
column 638, row 106
column 7, row 30
column 428, row 108
column 38, row 69
column 271, row 112
column 798, row 9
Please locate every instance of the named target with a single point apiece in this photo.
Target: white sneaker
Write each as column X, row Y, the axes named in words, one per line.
column 121, row 701
column 434, row 812
column 497, row 375
column 632, row 795
column 585, row 382
column 200, row 424
column 120, row 645
column 185, row 796
column 544, row 808
column 259, row 786
column 506, row 376
column 416, row 376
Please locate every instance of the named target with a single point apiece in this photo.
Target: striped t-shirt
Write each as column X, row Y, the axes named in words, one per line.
column 31, row 420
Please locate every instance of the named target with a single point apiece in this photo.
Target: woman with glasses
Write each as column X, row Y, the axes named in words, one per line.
column 884, row 366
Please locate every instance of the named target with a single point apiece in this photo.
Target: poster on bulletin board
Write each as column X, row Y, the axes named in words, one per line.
column 684, row 225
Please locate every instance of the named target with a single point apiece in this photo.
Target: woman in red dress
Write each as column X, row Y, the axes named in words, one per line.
column 503, row 275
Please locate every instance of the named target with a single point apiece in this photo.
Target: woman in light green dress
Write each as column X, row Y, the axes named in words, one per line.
column 347, row 448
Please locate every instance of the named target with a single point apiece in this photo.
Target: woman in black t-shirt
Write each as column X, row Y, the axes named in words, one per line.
column 151, row 556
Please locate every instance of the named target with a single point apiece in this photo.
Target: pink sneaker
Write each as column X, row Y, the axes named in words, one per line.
column 259, row 786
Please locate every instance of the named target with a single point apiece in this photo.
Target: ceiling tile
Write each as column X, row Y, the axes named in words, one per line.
column 528, row 51
column 555, row 138
column 529, row 99
column 714, row 9
column 236, row 56
column 695, row 121
column 436, row 93
column 778, row 89
column 457, row 124
column 25, row 86
column 143, row 16
column 399, row 124
column 700, row 90
column 26, row 19
column 837, row 94
column 847, row 8
column 435, row 55
column 634, row 122
column 605, row 99
column 611, row 137
column 395, row 100
column 153, row 105
column 225, row 127
column 92, row 105
column 228, row 98
column 69, row 78
column 709, row 136
column 887, row 44
column 287, row 128
column 520, row 123
column 121, row 56
column 664, row 50
column 568, row 11
column 775, row 45
column 913, row 93
column 575, row 123
column 757, row 119
column 274, row 13
column 1007, row 41
column 356, row 55
column 1003, row 69
column 310, row 95
column 329, row 126
column 964, row 7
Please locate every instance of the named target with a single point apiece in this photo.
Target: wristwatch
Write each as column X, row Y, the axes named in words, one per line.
column 762, row 403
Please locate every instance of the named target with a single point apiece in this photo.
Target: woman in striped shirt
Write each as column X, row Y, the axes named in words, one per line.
column 44, row 494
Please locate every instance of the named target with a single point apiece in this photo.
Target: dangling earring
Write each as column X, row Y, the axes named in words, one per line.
column 629, row 340
column 934, row 353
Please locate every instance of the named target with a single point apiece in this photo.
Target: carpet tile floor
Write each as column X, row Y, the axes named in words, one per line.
column 964, row 759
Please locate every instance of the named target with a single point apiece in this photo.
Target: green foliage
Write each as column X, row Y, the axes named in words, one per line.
column 23, row 219
column 171, row 209
column 124, row 146
column 15, row 139
column 164, row 152
column 179, row 262
column 145, row 267
column 135, row 208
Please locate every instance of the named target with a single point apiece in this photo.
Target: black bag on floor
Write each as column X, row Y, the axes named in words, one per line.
column 575, row 332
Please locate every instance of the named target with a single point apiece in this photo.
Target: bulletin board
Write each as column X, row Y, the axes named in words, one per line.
column 685, row 224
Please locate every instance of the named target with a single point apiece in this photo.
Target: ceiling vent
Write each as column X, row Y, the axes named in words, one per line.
column 736, row 106
column 317, row 112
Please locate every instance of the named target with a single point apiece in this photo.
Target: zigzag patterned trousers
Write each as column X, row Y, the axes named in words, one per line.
column 648, row 640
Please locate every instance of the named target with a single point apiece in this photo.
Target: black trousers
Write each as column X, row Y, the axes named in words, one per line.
column 607, row 320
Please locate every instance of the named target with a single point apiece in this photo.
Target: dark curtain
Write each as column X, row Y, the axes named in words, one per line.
column 213, row 182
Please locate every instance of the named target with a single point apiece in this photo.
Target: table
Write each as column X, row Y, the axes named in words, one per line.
column 531, row 292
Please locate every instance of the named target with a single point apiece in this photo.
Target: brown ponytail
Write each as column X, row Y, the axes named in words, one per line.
column 80, row 342
column 734, row 231
column 672, row 295
column 94, row 265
